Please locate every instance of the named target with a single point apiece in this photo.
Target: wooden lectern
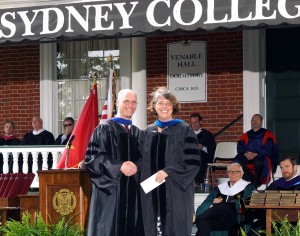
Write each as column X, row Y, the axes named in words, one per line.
column 64, row 193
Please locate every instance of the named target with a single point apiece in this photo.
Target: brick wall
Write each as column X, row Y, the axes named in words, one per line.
column 19, row 86
column 224, row 80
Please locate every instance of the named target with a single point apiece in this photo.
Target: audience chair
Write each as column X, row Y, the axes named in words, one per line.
column 268, row 177
column 225, row 153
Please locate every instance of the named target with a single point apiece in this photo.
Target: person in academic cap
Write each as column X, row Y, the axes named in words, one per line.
column 223, row 208
column 290, row 180
column 113, row 164
column 171, row 152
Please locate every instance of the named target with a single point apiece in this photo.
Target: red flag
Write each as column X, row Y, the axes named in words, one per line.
column 83, row 130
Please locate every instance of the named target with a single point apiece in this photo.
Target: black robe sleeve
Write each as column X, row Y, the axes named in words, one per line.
column 185, row 168
column 103, row 167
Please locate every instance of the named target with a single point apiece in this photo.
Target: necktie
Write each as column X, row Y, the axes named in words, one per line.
column 127, row 128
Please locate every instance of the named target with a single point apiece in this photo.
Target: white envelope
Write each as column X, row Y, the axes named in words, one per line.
column 150, row 184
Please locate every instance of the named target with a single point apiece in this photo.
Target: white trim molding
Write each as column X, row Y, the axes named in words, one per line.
column 254, row 63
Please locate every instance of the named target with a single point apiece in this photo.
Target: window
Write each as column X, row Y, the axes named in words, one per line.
column 78, row 64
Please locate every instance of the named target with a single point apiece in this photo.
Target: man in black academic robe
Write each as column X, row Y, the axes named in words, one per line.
column 207, row 145
column 113, row 163
column 38, row 136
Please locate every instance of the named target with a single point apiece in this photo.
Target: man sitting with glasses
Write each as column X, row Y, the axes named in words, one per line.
column 62, row 139
column 223, row 208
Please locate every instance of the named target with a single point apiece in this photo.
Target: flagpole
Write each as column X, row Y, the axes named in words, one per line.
column 112, row 86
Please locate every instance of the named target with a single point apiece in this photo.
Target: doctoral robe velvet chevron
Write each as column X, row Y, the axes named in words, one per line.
column 115, row 203
column 175, row 151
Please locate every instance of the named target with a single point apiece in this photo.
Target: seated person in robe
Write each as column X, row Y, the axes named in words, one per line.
column 257, row 148
column 207, row 145
column 62, row 139
column 38, row 136
column 223, row 208
column 8, row 138
column 290, row 180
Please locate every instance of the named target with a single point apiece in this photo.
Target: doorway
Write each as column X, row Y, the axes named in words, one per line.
column 283, row 88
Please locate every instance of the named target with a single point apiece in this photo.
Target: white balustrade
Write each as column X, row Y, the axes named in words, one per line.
column 15, row 151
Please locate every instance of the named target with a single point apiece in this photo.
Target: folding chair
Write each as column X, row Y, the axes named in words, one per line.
column 225, row 153
column 266, row 180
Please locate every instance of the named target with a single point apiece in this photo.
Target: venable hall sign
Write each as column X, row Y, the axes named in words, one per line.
column 187, row 70
column 130, row 18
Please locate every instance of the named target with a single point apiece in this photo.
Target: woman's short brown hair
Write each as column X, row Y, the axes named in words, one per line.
column 165, row 93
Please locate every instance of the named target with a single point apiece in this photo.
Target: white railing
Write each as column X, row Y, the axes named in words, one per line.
column 15, row 151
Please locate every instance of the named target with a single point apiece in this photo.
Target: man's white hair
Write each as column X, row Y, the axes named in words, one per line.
column 235, row 164
column 122, row 93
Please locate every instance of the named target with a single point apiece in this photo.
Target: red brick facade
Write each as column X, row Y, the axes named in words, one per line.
column 19, row 86
column 224, row 79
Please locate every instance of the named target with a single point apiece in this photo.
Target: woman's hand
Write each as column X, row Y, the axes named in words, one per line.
column 160, row 176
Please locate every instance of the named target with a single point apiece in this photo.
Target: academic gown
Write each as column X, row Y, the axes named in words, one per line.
column 207, row 139
column 6, row 141
column 9, row 140
column 175, row 150
column 282, row 184
column 58, row 139
column 43, row 138
column 115, row 203
column 228, row 214
column 264, row 143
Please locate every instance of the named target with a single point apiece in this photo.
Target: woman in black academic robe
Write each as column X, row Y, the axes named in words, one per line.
column 170, row 150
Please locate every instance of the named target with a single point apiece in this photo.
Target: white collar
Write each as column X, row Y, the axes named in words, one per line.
column 236, row 188
column 37, row 132
column 292, row 177
column 198, row 131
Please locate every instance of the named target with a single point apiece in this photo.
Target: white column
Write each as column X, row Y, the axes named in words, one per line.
column 48, row 91
column 139, row 80
column 254, row 63
column 125, row 62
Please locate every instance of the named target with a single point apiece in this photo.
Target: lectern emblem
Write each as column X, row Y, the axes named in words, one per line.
column 64, row 201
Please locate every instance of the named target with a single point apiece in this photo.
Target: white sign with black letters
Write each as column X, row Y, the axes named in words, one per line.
column 187, row 70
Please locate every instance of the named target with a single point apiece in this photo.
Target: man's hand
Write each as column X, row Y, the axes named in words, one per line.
column 250, row 155
column 217, row 200
column 160, row 176
column 128, row 168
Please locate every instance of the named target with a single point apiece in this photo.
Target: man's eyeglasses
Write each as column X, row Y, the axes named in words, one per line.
column 65, row 125
column 235, row 172
column 127, row 102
